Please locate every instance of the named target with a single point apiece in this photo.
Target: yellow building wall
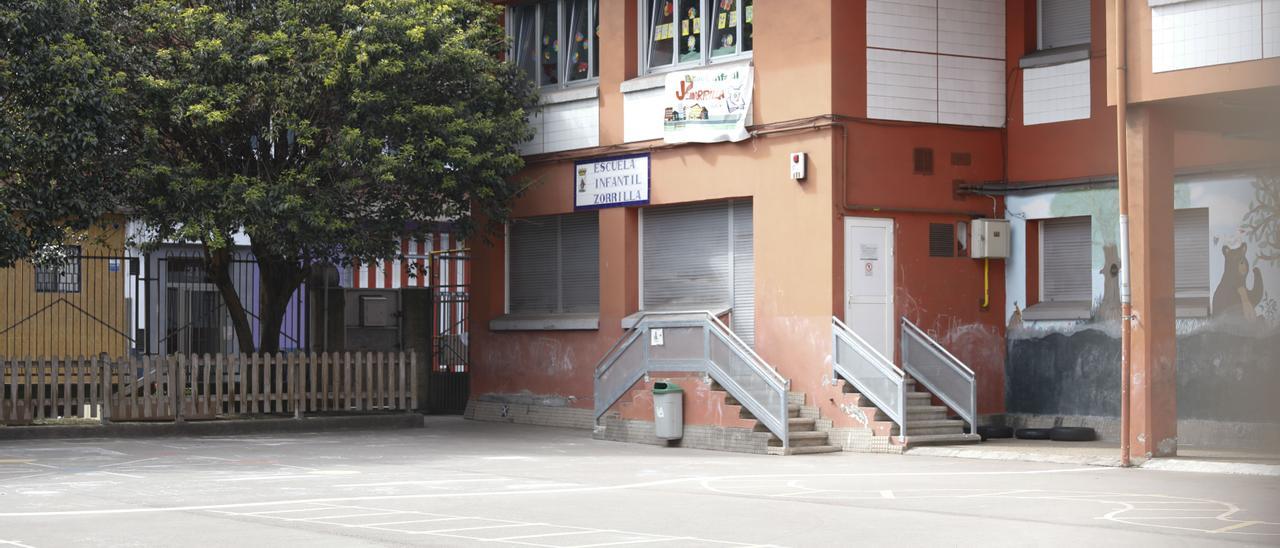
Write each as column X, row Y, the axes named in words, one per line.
column 89, row 322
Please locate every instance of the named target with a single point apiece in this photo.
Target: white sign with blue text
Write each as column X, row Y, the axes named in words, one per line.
column 611, row 182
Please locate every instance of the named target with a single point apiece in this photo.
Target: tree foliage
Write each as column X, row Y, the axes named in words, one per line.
column 326, row 130
column 63, row 118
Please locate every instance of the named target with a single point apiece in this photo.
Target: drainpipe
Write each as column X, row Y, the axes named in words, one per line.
column 1122, row 171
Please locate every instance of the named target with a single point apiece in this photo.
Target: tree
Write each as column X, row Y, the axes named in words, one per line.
column 325, row 130
column 63, row 115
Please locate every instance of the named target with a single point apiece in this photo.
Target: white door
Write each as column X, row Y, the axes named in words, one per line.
column 868, row 280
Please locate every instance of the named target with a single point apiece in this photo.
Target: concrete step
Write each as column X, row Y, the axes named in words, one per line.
column 807, row 450
column 795, row 398
column 801, row 439
column 793, row 411
column 794, row 424
column 913, row 430
column 941, row 439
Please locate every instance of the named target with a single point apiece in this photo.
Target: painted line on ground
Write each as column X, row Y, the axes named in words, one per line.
column 188, row 508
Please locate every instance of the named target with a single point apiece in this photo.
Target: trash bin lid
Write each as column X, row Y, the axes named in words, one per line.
column 666, row 388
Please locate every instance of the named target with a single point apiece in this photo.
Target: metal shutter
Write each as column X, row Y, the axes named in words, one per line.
column 1191, row 252
column 554, row 264
column 1063, row 23
column 1066, row 258
column 686, row 257
column 580, row 262
column 744, row 273
column 533, row 273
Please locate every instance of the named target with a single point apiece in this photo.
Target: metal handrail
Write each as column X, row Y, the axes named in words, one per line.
column 966, row 403
column 950, row 358
column 776, row 420
column 886, row 368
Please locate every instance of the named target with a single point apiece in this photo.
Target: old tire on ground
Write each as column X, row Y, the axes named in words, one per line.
column 995, row 432
column 1032, row 433
column 1072, row 433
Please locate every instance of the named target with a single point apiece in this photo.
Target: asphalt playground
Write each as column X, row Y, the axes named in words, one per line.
column 465, row 483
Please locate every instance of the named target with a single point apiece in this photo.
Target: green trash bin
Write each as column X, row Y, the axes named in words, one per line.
column 668, row 411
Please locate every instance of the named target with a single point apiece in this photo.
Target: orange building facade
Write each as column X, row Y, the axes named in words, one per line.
column 913, row 125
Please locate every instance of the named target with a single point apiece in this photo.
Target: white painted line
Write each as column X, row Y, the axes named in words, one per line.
column 887, row 494
column 115, row 464
column 317, row 519
column 1240, row 525
column 705, row 479
column 422, row 482
column 313, row 508
column 17, row 543
column 521, row 537
column 119, row 474
column 505, row 525
column 636, row 541
column 377, row 525
column 269, row 478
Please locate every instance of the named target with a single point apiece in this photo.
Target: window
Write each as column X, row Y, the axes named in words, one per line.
column 60, row 274
column 554, row 41
column 1066, row 260
column 1063, row 23
column 553, row 264
column 679, row 32
column 1191, row 253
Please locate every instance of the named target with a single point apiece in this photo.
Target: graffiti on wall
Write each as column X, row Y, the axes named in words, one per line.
column 1226, row 341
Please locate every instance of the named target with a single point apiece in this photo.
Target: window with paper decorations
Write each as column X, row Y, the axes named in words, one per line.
column 555, row 42
column 693, row 32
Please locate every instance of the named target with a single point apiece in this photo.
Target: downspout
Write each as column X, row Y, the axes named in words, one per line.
column 1122, row 172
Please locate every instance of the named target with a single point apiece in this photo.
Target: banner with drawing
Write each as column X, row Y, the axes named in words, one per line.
column 708, row 105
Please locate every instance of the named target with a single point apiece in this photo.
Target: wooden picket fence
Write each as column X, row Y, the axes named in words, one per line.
column 206, row 387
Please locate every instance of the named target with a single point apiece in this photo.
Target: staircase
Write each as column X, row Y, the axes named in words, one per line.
column 806, row 429
column 926, row 423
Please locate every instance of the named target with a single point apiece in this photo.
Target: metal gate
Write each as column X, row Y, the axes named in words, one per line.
column 448, row 385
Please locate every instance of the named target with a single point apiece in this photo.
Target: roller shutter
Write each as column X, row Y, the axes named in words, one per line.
column 1066, row 259
column 1191, row 253
column 1063, row 23
column 699, row 257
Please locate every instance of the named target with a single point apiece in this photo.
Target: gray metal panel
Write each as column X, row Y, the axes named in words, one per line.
column 1063, row 23
column 744, row 274
column 580, row 262
column 1067, row 259
column 686, row 257
column 1191, row 252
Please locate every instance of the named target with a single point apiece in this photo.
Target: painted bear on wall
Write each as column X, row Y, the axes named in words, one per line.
column 1233, row 297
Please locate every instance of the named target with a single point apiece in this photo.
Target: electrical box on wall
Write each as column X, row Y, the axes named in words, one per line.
column 989, row 239
column 798, row 162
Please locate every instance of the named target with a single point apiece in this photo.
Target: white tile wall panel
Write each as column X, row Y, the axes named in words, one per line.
column 1056, row 93
column 971, row 91
column 565, row 126
column 971, row 27
column 534, row 145
column 642, row 113
column 1271, row 28
column 1205, row 32
column 902, row 85
column 903, row 24
column 572, row 125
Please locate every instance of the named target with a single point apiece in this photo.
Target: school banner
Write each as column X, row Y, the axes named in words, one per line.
column 708, row 105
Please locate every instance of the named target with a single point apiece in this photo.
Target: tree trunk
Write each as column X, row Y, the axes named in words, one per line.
column 218, row 265
column 280, row 277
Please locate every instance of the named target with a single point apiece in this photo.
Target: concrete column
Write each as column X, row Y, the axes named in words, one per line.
column 617, row 64
column 1153, row 410
column 619, row 268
